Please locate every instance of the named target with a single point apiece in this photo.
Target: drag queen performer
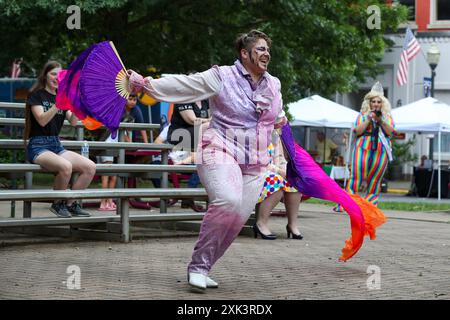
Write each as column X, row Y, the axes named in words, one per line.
column 245, row 103
column 374, row 128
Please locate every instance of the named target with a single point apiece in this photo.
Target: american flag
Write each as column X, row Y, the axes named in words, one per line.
column 410, row 49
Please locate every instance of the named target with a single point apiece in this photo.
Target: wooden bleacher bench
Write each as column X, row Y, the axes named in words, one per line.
column 122, row 125
column 123, row 208
column 96, row 145
column 20, row 122
column 121, row 170
column 103, row 168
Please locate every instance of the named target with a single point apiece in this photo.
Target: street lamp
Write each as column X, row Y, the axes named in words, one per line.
column 433, row 55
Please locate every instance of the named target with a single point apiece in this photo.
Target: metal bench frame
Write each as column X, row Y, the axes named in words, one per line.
column 123, row 208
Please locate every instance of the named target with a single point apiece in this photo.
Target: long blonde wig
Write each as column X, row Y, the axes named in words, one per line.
column 385, row 104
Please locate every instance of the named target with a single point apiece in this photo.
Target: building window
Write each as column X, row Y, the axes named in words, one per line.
column 443, row 9
column 439, row 14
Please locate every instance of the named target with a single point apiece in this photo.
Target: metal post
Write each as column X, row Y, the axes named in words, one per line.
column 164, row 180
column 27, row 204
column 121, row 151
column 439, row 165
column 120, row 181
column 324, row 148
column 80, row 134
column 119, row 184
column 431, row 145
column 307, row 138
column 433, row 74
column 125, row 220
column 347, row 156
column 13, row 209
column 150, row 120
column 14, row 181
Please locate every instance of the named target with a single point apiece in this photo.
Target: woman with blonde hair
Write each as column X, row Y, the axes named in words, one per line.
column 374, row 127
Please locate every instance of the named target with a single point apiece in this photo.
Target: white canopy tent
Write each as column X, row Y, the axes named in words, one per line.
column 316, row 111
column 425, row 115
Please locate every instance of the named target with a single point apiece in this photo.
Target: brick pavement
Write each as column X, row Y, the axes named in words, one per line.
column 412, row 252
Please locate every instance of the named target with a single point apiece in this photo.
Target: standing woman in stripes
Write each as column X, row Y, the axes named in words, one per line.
column 374, row 128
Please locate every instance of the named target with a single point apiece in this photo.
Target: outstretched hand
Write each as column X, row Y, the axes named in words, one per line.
column 135, row 81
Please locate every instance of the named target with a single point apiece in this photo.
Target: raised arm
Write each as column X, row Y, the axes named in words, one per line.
column 179, row 88
column 362, row 125
column 72, row 118
column 43, row 117
column 388, row 125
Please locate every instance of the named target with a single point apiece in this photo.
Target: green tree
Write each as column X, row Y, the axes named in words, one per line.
column 321, row 46
column 401, row 152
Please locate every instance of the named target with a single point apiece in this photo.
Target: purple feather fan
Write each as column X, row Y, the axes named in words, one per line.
column 103, row 84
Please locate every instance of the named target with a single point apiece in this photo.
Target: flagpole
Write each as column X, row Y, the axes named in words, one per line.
column 407, row 86
column 413, row 78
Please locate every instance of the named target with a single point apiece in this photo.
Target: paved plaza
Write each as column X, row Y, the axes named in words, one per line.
column 409, row 260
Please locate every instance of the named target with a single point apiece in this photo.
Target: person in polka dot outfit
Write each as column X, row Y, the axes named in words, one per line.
column 277, row 188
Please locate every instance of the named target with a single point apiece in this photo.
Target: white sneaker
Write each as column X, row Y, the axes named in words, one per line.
column 210, row 283
column 197, row 281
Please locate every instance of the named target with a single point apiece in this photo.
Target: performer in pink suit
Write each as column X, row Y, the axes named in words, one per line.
column 245, row 103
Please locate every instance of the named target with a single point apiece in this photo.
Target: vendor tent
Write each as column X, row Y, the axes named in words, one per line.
column 425, row 115
column 316, row 111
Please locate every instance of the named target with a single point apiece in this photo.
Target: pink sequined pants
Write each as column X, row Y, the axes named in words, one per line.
column 233, row 191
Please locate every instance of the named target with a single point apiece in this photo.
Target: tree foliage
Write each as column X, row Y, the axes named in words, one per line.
column 321, row 46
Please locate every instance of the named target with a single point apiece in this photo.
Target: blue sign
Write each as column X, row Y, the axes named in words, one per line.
column 427, row 87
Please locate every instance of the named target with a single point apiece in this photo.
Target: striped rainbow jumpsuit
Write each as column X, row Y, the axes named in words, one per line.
column 367, row 164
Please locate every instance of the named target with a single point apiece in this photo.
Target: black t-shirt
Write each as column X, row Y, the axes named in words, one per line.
column 45, row 99
column 178, row 122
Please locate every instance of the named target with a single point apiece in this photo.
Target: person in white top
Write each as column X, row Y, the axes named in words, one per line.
column 245, row 104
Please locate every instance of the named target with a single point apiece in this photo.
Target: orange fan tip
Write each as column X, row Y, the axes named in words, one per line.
column 91, row 123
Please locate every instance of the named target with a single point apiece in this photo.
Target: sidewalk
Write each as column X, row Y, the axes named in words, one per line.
column 412, row 252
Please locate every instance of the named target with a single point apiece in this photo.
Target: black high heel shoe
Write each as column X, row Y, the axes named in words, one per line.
column 294, row 236
column 256, row 231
